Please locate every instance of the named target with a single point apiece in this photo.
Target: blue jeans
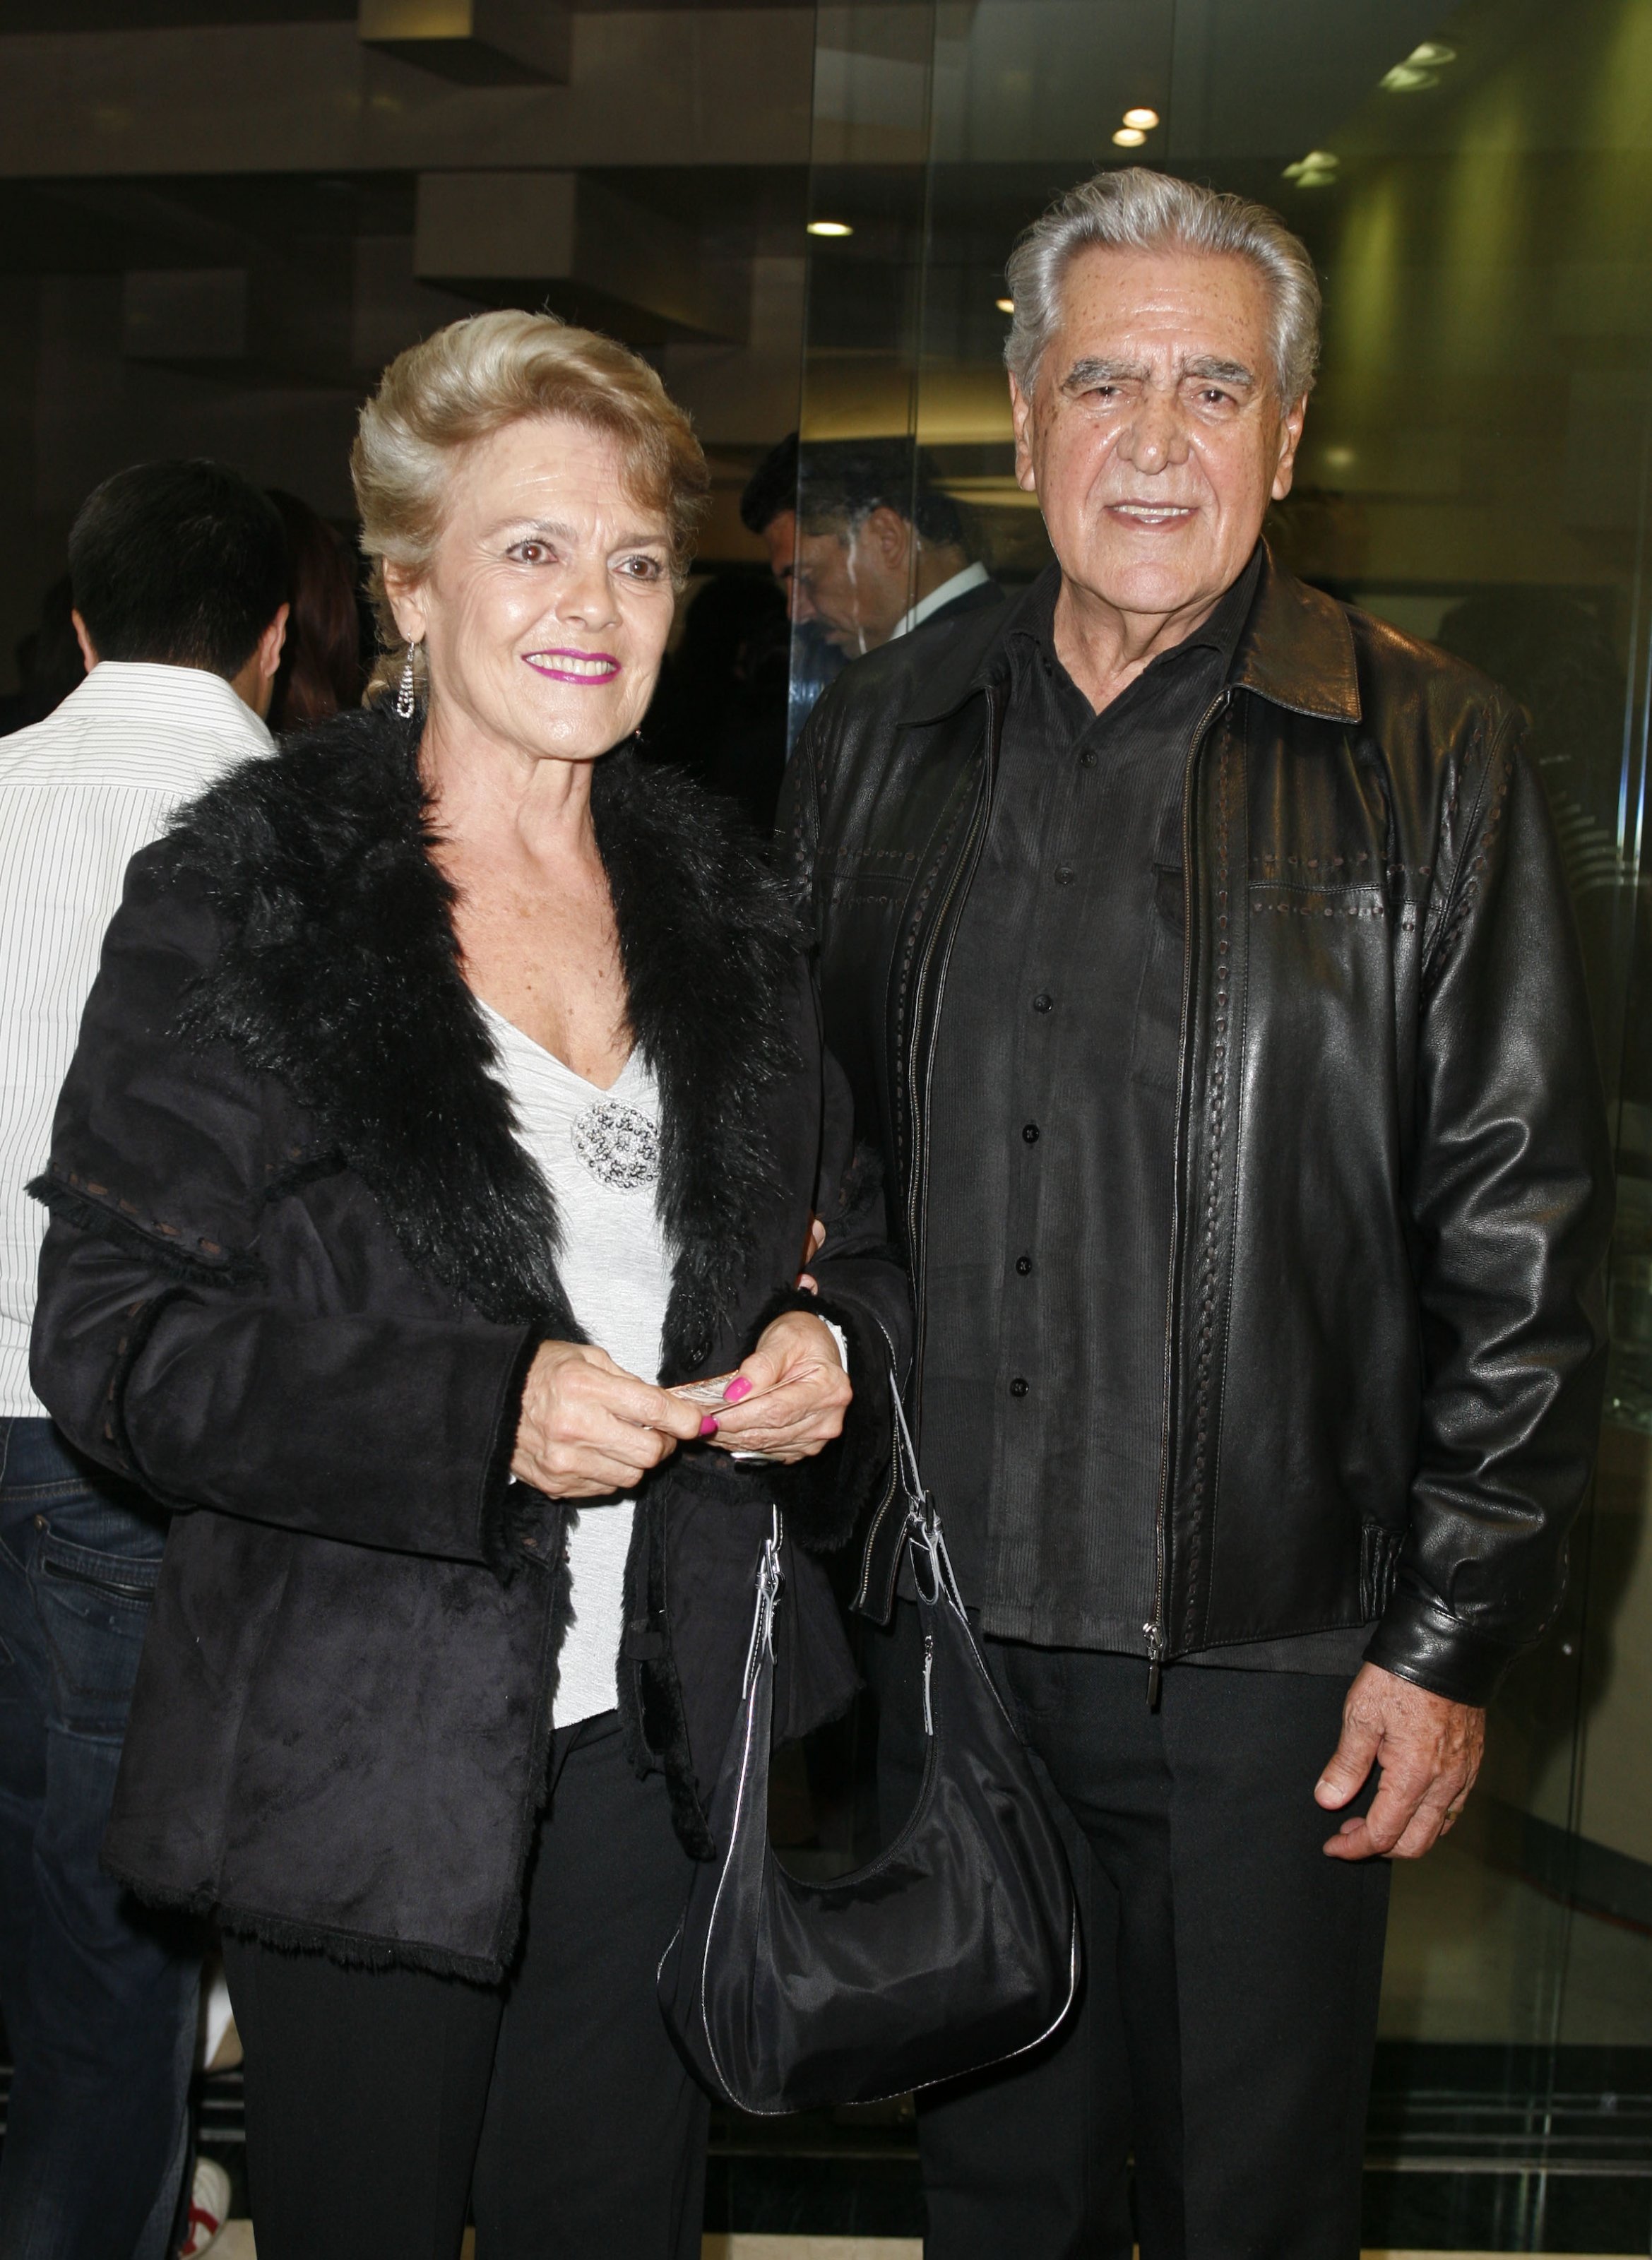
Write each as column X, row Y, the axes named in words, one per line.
column 99, row 1994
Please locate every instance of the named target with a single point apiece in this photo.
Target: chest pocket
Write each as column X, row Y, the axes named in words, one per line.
column 1158, row 1026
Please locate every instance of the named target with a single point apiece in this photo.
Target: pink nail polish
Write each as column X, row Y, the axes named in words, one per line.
column 740, row 1387
column 708, row 1426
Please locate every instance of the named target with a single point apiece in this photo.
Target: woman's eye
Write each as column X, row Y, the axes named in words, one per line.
column 530, row 553
column 642, row 569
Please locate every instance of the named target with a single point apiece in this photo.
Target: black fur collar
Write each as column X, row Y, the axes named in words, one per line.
column 338, row 976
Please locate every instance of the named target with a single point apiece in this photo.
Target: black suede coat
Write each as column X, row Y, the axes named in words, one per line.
column 297, row 1267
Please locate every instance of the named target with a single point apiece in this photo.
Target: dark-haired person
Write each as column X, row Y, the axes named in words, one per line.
column 720, row 710
column 178, row 574
column 321, row 668
column 863, row 539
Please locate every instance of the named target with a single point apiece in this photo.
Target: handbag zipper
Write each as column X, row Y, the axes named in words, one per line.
column 877, row 1523
column 929, row 1665
column 1154, row 1630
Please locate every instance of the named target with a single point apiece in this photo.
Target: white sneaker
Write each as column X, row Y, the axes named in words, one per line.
column 209, row 2208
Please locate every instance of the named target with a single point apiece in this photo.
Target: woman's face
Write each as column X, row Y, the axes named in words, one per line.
column 546, row 610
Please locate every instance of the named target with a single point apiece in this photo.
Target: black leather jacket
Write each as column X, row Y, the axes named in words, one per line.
column 1386, row 1341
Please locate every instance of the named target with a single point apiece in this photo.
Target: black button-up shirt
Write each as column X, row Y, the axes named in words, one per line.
column 1051, row 1178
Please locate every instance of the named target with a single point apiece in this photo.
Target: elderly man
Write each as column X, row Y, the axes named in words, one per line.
column 863, row 539
column 1200, row 950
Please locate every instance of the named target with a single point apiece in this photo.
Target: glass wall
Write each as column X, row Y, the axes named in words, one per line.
column 1474, row 183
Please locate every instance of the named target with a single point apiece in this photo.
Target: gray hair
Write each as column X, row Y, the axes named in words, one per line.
column 1131, row 209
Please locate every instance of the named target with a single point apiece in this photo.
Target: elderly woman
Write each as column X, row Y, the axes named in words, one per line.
column 451, row 1091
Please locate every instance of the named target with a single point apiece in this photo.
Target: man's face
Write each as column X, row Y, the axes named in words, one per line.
column 1153, row 437
column 857, row 586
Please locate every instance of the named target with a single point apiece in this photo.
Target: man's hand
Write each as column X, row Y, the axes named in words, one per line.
column 589, row 1427
column 790, row 1396
column 1429, row 1751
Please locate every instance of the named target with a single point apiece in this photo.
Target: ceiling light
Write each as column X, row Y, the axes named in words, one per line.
column 1129, row 137
column 1146, row 120
column 1313, row 171
column 830, row 227
column 1420, row 69
column 1004, row 305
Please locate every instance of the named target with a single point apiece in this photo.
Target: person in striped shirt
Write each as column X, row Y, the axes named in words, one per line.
column 179, row 577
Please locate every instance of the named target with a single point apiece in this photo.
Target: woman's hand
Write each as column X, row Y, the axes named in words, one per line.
column 795, row 1395
column 589, row 1427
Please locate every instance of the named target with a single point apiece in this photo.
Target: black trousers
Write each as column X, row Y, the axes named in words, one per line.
column 1224, row 2035
column 378, row 2101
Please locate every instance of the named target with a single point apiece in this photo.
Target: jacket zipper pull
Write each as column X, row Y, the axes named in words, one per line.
column 1155, row 1663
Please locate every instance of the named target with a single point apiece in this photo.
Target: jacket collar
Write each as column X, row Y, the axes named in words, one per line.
column 338, row 974
column 1297, row 651
column 1298, row 648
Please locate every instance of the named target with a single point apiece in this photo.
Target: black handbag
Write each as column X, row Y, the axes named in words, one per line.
column 956, row 1948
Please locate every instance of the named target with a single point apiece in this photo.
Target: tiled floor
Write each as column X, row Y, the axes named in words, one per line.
column 236, row 2243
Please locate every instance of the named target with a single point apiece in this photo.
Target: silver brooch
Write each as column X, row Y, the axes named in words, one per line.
column 617, row 1145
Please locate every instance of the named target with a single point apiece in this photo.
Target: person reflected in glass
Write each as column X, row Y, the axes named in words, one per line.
column 866, row 546
column 453, row 1092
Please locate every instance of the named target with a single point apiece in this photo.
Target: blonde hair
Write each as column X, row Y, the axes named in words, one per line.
column 472, row 379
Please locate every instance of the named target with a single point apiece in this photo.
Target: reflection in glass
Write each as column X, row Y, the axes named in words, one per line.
column 1474, row 183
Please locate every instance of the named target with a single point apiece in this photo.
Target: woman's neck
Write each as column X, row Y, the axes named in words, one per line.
column 490, row 798
column 533, row 914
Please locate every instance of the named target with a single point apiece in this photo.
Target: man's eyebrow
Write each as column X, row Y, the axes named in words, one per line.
column 1204, row 368
column 1211, row 367
column 1094, row 370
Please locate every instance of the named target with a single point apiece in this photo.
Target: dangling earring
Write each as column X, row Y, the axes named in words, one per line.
column 405, row 689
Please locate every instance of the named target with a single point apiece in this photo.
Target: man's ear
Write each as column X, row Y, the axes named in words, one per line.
column 1021, row 417
column 891, row 536
column 1289, row 439
column 82, row 636
column 271, row 643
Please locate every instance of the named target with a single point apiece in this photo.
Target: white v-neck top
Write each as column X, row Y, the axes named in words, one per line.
column 599, row 1152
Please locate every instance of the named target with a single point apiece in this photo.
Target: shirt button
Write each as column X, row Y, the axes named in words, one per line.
column 1064, row 876
column 1043, row 1002
column 1030, row 1133
column 1022, row 1264
column 1087, row 759
column 1018, row 1387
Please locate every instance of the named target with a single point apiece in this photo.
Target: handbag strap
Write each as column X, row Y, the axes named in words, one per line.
column 762, row 1649
column 923, row 1533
